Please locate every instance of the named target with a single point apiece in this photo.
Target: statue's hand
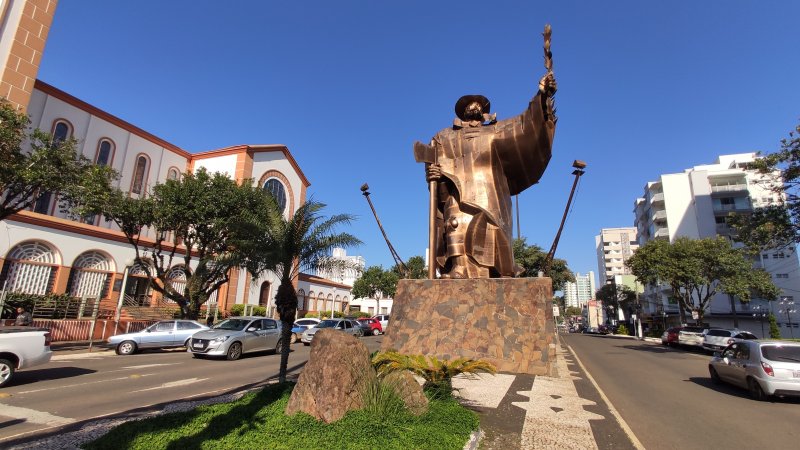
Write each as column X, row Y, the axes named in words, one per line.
column 548, row 85
column 433, row 172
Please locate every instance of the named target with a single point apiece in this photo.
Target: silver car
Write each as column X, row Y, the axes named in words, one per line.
column 764, row 368
column 163, row 334
column 237, row 335
column 347, row 326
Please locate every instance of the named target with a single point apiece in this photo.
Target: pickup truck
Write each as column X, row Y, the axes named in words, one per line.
column 22, row 347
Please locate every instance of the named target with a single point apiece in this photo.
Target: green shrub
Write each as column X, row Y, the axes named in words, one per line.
column 774, row 331
column 237, row 309
column 622, row 329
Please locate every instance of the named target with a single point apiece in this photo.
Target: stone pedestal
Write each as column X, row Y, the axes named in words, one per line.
column 505, row 321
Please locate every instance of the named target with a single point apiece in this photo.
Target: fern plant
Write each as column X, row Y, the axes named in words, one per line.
column 437, row 373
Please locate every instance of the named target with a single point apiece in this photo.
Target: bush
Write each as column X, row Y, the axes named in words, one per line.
column 622, row 329
column 238, row 310
column 774, row 331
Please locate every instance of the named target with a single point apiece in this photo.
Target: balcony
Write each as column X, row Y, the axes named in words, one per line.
column 740, row 187
column 657, row 198
column 729, row 208
column 660, row 215
column 662, row 232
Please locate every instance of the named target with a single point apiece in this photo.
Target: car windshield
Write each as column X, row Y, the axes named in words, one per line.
column 232, row 324
column 328, row 324
column 789, row 353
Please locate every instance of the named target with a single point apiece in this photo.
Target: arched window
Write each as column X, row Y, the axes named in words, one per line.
column 320, row 302
column 177, row 280
column 301, row 297
column 105, row 153
column 263, row 296
column 30, row 268
column 42, row 204
column 139, row 174
column 61, row 131
column 329, row 304
column 91, row 275
column 137, row 289
column 278, row 192
column 173, row 174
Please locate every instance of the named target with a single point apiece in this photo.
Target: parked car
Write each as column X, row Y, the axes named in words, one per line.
column 306, row 323
column 716, row 339
column 347, row 326
column 691, row 336
column 670, row 336
column 235, row 336
column 370, row 326
column 163, row 334
column 22, row 347
column 383, row 319
column 764, row 368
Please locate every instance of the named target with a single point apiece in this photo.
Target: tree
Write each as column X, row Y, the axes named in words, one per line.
column 697, row 269
column 573, row 311
column 774, row 330
column 776, row 225
column 417, row 269
column 201, row 225
column 303, row 242
column 51, row 167
column 376, row 283
column 531, row 259
column 616, row 295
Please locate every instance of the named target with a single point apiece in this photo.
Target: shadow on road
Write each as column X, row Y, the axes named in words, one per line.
column 650, row 348
column 24, row 377
column 734, row 391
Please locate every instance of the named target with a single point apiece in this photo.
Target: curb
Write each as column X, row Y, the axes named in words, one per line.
column 474, row 440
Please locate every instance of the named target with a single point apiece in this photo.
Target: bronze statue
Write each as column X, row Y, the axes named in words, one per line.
column 473, row 169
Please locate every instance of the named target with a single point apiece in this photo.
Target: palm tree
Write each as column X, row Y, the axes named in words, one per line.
column 300, row 243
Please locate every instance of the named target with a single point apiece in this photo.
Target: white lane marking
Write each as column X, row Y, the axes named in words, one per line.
column 33, row 416
column 87, row 355
column 83, row 384
column 634, row 440
column 173, row 384
column 143, row 366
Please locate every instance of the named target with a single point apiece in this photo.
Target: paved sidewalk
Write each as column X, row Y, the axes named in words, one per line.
column 564, row 411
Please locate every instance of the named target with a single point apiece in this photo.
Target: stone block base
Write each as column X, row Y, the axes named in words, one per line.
column 505, row 321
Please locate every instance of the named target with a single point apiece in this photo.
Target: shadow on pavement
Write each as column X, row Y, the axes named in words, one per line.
column 24, row 377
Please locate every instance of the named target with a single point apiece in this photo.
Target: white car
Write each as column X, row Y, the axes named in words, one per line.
column 22, row 347
column 764, row 368
column 716, row 339
column 344, row 325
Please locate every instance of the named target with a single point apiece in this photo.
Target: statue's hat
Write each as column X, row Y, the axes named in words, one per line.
column 462, row 103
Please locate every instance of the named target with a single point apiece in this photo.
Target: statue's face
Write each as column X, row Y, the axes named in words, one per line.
column 473, row 111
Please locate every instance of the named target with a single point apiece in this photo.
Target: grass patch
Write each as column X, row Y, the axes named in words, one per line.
column 257, row 421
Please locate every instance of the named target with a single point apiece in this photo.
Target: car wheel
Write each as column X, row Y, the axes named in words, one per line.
column 234, row 351
column 756, row 393
column 6, row 371
column 126, row 348
column 376, row 332
column 186, row 344
column 714, row 375
column 306, row 343
column 278, row 346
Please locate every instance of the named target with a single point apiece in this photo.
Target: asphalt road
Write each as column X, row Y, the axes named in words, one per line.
column 666, row 397
column 87, row 386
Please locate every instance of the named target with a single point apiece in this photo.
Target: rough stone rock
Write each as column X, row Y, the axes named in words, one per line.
column 409, row 390
column 334, row 379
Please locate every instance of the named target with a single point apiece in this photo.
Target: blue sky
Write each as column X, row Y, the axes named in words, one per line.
column 645, row 88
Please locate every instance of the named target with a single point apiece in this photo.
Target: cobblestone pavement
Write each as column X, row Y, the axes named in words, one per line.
column 543, row 412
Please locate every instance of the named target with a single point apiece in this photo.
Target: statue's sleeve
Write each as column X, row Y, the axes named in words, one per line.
column 524, row 145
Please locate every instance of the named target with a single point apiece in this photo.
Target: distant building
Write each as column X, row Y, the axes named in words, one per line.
column 579, row 293
column 695, row 204
column 614, row 246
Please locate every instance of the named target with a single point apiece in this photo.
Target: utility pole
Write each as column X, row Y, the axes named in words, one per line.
column 401, row 266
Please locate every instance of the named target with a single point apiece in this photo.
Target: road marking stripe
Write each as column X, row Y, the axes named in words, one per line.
column 622, row 423
column 143, row 366
column 33, row 416
column 82, row 384
column 173, row 384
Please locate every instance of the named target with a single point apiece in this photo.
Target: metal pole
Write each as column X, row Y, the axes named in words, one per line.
column 400, row 264
column 579, row 166
column 121, row 298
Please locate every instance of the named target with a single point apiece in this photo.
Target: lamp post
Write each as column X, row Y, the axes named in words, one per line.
column 788, row 308
column 664, row 318
column 548, row 261
column 760, row 315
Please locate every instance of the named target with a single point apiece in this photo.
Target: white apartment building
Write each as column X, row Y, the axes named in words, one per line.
column 614, row 246
column 695, row 204
column 579, row 293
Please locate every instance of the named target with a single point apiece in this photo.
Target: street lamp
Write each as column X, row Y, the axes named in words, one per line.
column 788, row 308
column 664, row 318
column 760, row 315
